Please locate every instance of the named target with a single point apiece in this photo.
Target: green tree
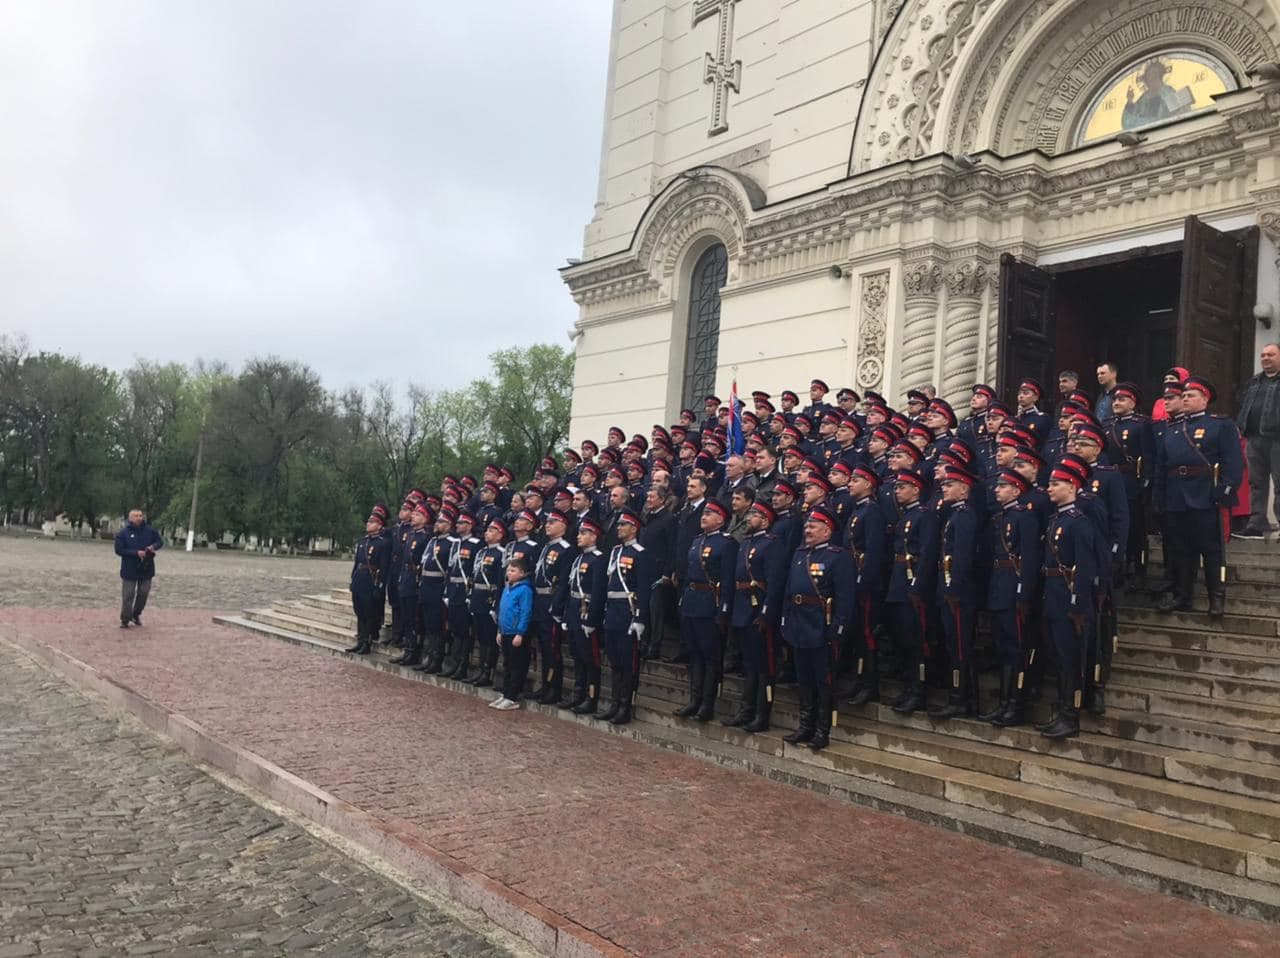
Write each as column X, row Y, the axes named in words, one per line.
column 524, row 405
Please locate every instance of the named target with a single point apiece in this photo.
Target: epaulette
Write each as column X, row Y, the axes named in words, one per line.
column 637, row 546
column 1218, row 415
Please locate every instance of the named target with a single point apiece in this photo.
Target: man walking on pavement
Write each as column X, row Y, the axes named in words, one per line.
column 1259, row 422
column 136, row 545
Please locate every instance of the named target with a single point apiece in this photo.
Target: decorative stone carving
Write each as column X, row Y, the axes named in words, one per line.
column 720, row 69
column 966, row 284
column 872, row 327
column 1269, row 221
column 921, row 281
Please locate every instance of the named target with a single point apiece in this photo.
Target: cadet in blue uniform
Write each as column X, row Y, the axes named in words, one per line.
column 1131, row 442
column 583, row 616
column 759, row 574
column 1070, row 569
column 912, row 582
column 550, row 592
column 973, row 429
column 957, row 590
column 407, row 587
column 486, row 590
column 704, row 608
column 868, row 539
column 821, row 595
column 400, row 535
column 368, row 579
column 1103, row 488
column 457, row 594
column 626, row 614
column 431, row 586
column 1013, row 591
column 1029, row 414
column 1199, row 468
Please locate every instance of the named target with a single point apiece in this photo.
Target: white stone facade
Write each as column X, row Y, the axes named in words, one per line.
column 879, row 158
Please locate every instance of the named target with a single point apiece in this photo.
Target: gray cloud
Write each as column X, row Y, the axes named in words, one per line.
column 349, row 184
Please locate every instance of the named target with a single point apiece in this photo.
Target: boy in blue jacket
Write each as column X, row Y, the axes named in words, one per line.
column 515, row 613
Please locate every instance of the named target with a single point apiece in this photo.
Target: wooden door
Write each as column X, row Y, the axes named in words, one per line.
column 1026, row 329
column 1214, row 332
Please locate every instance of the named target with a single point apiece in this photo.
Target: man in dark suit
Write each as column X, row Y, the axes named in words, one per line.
column 688, row 527
column 659, row 540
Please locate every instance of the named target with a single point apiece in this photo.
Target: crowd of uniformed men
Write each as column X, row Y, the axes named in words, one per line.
column 848, row 538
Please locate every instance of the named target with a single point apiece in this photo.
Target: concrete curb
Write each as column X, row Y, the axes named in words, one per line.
column 395, row 840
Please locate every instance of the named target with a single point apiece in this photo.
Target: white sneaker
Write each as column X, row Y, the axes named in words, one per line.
column 497, row 703
column 506, row 705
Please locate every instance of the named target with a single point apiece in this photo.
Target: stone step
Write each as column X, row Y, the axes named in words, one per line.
column 332, row 615
column 1244, row 572
column 1252, row 668
column 304, row 626
column 1200, row 640
column 1244, row 691
column 1243, row 598
column 1104, row 741
column 1256, row 625
column 1195, row 707
column 1046, row 814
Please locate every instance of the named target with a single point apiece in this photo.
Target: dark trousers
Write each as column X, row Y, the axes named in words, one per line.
column 862, row 640
column 1263, row 455
column 1011, row 638
column 756, row 642
column 408, row 618
column 485, row 631
column 662, row 612
column 585, row 647
column 816, row 667
column 515, row 666
column 366, row 606
column 909, row 625
column 133, row 597
column 1070, row 630
column 460, row 637
column 957, row 627
column 1135, row 552
column 1197, row 535
column 702, row 638
column 550, row 652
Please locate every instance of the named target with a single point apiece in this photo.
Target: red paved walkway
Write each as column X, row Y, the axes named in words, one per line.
column 664, row 855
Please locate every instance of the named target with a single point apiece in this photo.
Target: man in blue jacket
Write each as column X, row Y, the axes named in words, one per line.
column 136, row 545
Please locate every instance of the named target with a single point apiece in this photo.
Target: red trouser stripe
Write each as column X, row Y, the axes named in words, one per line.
column 595, row 647
column 955, row 613
column 868, row 634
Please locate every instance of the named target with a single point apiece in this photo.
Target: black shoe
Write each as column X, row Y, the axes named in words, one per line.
column 1095, row 701
column 623, row 716
column 867, row 692
column 1067, row 725
column 912, row 699
column 364, row 649
column 1171, row 602
column 1217, row 605
column 684, row 711
column 585, row 707
column 808, row 719
column 680, row 658
column 764, row 706
column 824, row 713
column 1007, row 680
column 607, row 715
column 1010, row 717
column 354, row 650
column 485, row 679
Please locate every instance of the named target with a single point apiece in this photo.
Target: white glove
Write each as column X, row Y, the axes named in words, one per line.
column 493, row 614
column 558, row 620
column 637, row 629
column 446, row 602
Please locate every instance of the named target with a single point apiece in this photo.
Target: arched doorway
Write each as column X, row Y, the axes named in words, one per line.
column 702, row 345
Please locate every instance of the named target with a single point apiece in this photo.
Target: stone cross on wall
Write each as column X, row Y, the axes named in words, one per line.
column 722, row 72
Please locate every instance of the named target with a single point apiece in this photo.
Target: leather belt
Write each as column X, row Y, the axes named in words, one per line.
column 900, row 559
column 1181, row 471
column 702, row 587
column 1005, row 564
column 748, row 586
column 809, row 600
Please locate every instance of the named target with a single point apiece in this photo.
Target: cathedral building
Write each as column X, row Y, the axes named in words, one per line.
column 889, row 193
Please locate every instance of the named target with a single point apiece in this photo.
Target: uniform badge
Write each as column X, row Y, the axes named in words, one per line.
column 1199, row 433
column 1096, row 485
column 625, row 562
column 706, row 552
column 582, row 568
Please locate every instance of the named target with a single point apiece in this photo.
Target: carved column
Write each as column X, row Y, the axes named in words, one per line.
column 872, row 325
column 966, row 283
column 921, row 281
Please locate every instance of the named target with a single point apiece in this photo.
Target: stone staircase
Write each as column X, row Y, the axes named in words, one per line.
column 1177, row 787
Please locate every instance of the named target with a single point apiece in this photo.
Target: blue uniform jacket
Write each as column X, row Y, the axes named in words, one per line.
column 915, row 554
column 708, row 590
column 434, row 569
column 462, row 559
column 630, row 575
column 584, row 606
column 486, row 580
column 1104, row 501
column 1015, row 556
column 411, row 561
column 957, row 561
column 821, row 593
column 1069, row 547
column 868, row 540
column 1037, row 423
column 129, row 541
column 551, row 580
column 1132, row 443
column 372, row 563
column 515, row 611
column 758, row 579
column 1185, row 459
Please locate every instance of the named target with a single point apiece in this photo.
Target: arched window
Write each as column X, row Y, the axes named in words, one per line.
column 703, row 346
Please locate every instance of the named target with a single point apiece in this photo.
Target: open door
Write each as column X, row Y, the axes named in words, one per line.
column 1026, row 328
column 1214, row 330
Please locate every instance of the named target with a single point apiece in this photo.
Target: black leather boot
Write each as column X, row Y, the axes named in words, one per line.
column 747, row 710
column 357, row 649
column 589, row 705
column 1006, row 692
column 1016, row 711
column 578, row 694
column 616, row 698
column 626, row 692
column 1217, row 601
column 913, row 695
column 710, row 690
column 824, row 714
column 459, row 668
column 695, row 692
column 808, row 717
column 764, row 707
column 1067, row 723
column 867, row 686
column 958, row 702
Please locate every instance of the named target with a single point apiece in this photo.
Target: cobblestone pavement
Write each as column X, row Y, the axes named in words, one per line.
column 660, row 853
column 112, row 842
column 66, row 573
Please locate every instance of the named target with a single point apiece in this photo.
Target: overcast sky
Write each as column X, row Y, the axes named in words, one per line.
column 382, row 188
